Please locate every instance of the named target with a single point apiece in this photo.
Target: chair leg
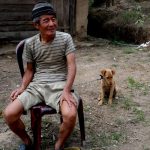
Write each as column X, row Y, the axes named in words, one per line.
column 81, row 121
column 36, row 128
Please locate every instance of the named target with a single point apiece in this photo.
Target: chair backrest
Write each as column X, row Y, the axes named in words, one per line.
column 19, row 52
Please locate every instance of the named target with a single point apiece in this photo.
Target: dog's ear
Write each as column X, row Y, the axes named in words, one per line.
column 103, row 71
column 113, row 71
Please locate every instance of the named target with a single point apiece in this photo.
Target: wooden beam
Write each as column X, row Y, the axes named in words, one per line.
column 17, row 1
column 14, row 22
column 15, row 8
column 16, row 35
column 24, row 27
column 23, row 16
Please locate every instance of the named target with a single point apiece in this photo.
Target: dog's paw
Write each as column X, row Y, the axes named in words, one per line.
column 110, row 101
column 100, row 102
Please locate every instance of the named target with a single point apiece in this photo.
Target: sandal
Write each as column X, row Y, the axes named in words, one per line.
column 25, row 147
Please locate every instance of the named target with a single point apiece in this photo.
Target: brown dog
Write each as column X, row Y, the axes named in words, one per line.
column 108, row 86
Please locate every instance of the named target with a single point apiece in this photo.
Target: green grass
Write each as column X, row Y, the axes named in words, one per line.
column 116, row 136
column 146, row 148
column 129, row 50
column 140, row 116
column 106, row 139
column 128, row 104
column 119, row 121
column 118, row 43
column 114, row 65
column 133, row 84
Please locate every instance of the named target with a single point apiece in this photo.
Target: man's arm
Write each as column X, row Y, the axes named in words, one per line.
column 27, row 78
column 71, row 65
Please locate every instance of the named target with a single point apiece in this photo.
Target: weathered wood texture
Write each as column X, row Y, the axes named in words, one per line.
column 15, row 17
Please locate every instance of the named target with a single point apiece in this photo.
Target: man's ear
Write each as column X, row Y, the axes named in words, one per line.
column 36, row 25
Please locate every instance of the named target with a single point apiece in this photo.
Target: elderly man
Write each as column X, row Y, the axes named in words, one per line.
column 49, row 77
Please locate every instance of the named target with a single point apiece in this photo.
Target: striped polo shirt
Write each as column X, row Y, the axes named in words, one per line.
column 50, row 58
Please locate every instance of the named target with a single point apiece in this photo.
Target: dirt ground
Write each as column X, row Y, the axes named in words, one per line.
column 125, row 125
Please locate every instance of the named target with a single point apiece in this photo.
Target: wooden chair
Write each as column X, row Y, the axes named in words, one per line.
column 39, row 110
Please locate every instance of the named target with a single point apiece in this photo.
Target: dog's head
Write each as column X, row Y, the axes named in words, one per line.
column 107, row 75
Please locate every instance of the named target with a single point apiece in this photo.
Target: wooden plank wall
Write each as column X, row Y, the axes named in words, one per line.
column 65, row 14
column 15, row 18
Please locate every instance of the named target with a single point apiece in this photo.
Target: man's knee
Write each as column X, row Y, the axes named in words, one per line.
column 12, row 113
column 70, row 117
column 69, row 113
column 7, row 116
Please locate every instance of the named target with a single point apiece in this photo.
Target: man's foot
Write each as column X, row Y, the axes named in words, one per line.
column 25, row 147
column 72, row 148
column 61, row 149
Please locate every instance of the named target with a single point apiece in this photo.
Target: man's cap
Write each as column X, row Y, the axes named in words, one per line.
column 42, row 8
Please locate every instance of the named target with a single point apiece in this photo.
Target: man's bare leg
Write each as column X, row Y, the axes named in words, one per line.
column 12, row 115
column 67, row 126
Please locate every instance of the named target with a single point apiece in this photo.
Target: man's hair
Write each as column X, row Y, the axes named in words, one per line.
column 42, row 8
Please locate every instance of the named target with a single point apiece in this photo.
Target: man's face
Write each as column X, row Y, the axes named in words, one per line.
column 47, row 25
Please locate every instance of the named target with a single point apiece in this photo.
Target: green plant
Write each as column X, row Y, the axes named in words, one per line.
column 90, row 2
column 115, row 136
column 129, row 16
column 133, row 16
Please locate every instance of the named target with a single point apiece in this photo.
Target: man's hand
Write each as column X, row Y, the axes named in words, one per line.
column 67, row 96
column 15, row 93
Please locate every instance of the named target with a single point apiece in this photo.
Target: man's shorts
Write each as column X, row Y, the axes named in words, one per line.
column 49, row 93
